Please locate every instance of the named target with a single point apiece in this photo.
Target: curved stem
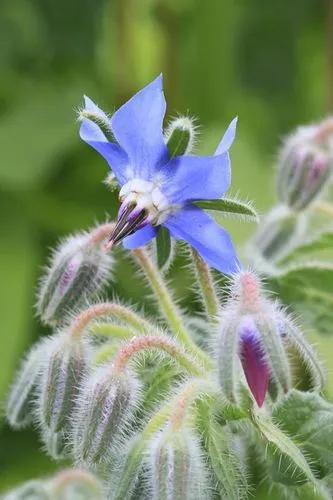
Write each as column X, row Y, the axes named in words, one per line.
column 112, row 330
column 207, row 286
column 155, row 342
column 167, row 305
column 118, row 311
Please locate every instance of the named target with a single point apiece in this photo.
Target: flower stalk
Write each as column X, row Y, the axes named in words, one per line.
column 155, row 342
column 167, row 305
column 112, row 309
column 207, row 286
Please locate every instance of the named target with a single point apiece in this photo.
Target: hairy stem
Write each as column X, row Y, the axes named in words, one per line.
column 117, row 311
column 155, row 342
column 112, row 330
column 207, row 286
column 167, row 305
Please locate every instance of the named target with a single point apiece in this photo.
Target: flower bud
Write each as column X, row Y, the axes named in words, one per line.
column 176, row 470
column 20, row 402
column 180, row 136
column 79, row 269
column 75, row 484
column 305, row 165
column 106, row 402
column 62, row 372
column 250, row 332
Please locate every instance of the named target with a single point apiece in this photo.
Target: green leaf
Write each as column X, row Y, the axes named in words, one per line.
column 322, row 242
column 309, row 417
column 163, row 246
column 230, row 207
column 308, row 289
column 286, row 462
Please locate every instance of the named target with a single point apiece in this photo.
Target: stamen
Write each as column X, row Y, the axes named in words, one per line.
column 131, row 219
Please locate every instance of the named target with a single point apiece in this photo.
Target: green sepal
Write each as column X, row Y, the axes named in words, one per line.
column 163, row 246
column 230, row 207
column 178, row 142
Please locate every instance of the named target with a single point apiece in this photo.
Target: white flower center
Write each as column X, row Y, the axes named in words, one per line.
column 147, row 195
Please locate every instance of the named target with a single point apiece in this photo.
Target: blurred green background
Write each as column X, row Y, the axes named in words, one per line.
column 268, row 62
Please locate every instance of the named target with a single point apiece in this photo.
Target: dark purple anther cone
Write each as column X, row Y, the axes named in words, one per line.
column 252, row 358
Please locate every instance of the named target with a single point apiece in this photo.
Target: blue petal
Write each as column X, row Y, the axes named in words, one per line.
column 113, row 154
column 228, row 138
column 138, row 127
column 212, row 242
column 140, row 237
column 196, row 178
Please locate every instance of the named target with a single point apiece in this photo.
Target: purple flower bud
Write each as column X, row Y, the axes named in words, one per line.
column 252, row 357
column 305, row 166
column 63, row 369
column 106, row 402
column 78, row 270
column 250, row 332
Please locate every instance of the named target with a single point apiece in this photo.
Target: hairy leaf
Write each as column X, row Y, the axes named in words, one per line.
column 230, row 207
column 309, row 417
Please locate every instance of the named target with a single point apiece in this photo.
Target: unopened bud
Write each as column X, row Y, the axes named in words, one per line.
column 176, row 468
column 63, row 370
column 75, row 484
column 105, row 404
column 180, row 136
column 20, row 402
column 250, row 332
column 79, row 268
column 278, row 234
column 305, row 165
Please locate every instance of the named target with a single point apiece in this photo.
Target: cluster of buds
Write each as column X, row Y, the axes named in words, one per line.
column 256, row 333
column 304, row 173
column 305, row 164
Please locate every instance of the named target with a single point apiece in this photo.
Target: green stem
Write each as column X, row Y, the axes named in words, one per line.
column 138, row 344
column 112, row 330
column 207, row 286
column 168, row 307
column 110, row 309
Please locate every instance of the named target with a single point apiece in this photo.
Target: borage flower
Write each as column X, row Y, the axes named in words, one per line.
column 157, row 189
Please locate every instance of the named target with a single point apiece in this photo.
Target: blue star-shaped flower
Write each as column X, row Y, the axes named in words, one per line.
column 156, row 189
